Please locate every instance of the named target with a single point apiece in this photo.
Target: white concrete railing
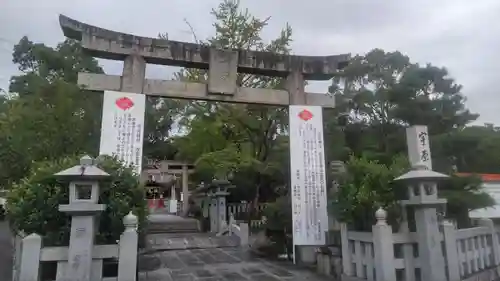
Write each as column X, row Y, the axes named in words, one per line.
column 258, row 223
column 359, row 255
column 232, row 208
column 32, row 254
column 469, row 253
column 362, row 253
column 474, row 251
column 369, row 254
column 237, row 208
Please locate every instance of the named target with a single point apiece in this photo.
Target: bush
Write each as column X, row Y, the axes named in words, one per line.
column 278, row 227
column 366, row 186
column 279, row 214
column 32, row 204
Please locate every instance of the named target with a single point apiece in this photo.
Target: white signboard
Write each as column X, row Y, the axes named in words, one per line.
column 122, row 129
column 308, row 180
column 419, row 151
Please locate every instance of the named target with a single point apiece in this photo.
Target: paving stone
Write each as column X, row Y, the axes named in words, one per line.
column 157, row 276
column 172, row 263
column 146, row 278
column 252, row 270
column 207, row 258
column 179, row 272
column 280, row 272
column 223, row 257
column 209, row 263
column 212, row 279
column 184, row 278
column 233, row 276
column 203, row 273
column 191, row 260
column 264, row 277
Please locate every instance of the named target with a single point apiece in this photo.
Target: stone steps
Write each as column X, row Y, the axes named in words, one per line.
column 154, row 228
column 166, row 223
column 182, row 241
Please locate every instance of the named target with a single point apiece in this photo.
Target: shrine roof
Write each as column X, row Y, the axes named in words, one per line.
column 108, row 44
column 152, row 183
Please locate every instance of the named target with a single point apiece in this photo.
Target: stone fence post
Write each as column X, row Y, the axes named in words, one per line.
column 16, row 262
column 242, row 230
column 244, row 234
column 451, row 250
column 495, row 247
column 383, row 247
column 30, row 258
column 127, row 263
column 346, row 253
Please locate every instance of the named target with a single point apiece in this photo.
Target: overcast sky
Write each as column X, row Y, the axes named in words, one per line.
column 462, row 35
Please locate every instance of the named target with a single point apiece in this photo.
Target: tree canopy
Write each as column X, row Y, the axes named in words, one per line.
column 47, row 117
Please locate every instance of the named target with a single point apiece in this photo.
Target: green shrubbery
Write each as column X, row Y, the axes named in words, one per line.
column 279, row 223
column 366, row 186
column 32, row 204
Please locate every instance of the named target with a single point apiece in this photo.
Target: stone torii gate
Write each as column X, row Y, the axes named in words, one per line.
column 223, row 66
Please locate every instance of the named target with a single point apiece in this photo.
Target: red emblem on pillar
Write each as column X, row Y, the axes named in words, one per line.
column 305, row 115
column 124, row 103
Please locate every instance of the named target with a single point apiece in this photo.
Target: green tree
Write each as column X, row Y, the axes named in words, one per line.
column 464, row 194
column 242, row 139
column 49, row 116
column 160, row 117
column 385, row 92
column 473, row 149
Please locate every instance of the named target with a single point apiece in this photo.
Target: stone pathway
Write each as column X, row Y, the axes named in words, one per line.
column 217, row 264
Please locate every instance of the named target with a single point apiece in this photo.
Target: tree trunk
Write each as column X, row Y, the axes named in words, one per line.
column 462, row 218
column 254, row 205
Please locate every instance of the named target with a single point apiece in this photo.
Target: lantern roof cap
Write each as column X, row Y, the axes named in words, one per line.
column 86, row 170
column 420, row 172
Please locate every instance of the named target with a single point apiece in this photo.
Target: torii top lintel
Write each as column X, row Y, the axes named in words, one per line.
column 107, row 44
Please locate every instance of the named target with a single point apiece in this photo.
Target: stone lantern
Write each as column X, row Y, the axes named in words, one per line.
column 422, row 195
column 202, row 199
column 217, row 191
column 83, row 208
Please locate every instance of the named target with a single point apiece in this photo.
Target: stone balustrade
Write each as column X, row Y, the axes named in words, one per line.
column 33, row 253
